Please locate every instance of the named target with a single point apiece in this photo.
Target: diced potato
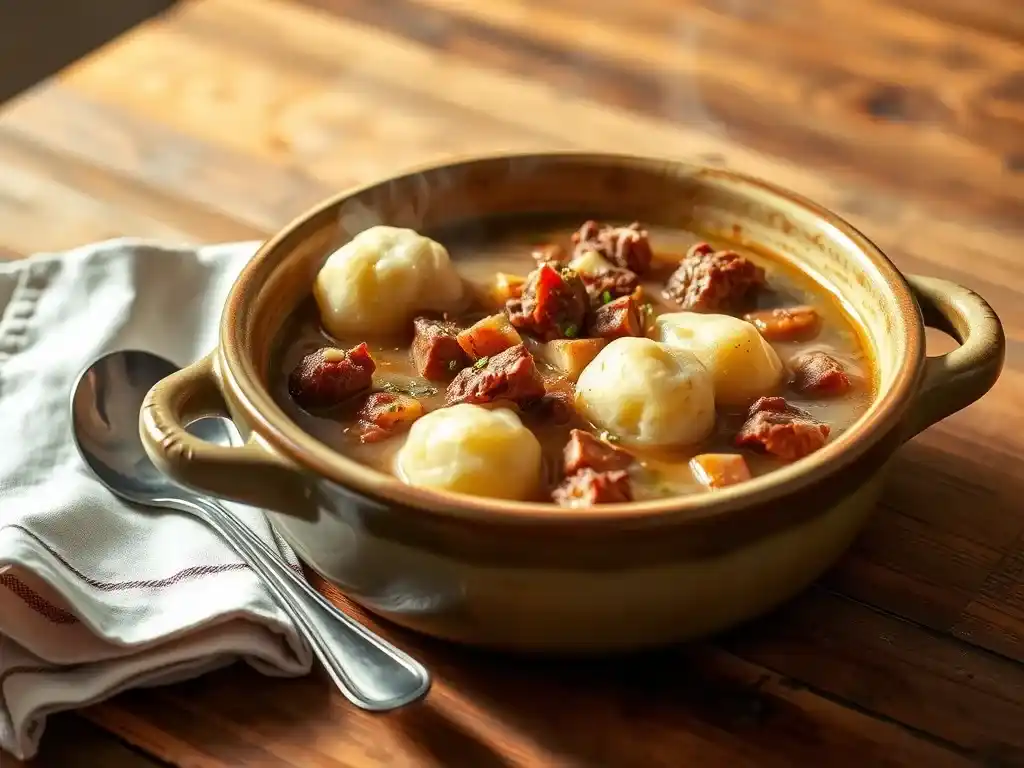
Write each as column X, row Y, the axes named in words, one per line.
column 590, row 264
column 506, row 286
column 717, row 470
column 489, row 336
column 568, row 356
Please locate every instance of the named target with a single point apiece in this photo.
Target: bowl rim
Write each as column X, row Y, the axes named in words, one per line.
column 288, row 440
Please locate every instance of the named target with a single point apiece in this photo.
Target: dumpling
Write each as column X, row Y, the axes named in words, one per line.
column 472, row 449
column 647, row 393
column 376, row 282
column 743, row 365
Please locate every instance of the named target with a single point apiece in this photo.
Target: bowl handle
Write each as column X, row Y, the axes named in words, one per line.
column 955, row 380
column 251, row 474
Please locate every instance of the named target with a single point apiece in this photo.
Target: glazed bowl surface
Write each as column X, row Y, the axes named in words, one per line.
column 532, row 576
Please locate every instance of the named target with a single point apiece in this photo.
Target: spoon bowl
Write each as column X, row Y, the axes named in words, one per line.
column 105, row 405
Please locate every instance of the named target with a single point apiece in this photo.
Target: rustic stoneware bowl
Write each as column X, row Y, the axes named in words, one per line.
column 529, row 576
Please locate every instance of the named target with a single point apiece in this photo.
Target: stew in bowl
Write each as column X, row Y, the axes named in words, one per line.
column 606, row 364
column 570, row 402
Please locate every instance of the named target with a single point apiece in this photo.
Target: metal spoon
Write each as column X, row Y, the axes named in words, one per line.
column 105, row 404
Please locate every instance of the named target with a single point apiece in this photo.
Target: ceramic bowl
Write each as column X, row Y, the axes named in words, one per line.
column 536, row 577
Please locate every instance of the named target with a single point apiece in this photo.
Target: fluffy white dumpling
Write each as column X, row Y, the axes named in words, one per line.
column 647, row 393
column 376, row 282
column 471, row 449
column 743, row 365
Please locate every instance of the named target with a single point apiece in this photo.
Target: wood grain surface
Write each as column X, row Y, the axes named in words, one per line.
column 226, row 118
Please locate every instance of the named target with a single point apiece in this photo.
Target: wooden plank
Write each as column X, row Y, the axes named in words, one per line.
column 700, row 707
column 790, row 92
column 71, row 742
column 39, row 188
column 894, row 668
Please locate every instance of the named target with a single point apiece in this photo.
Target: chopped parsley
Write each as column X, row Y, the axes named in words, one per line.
column 570, row 331
column 481, row 363
column 606, row 297
column 453, row 364
column 395, row 408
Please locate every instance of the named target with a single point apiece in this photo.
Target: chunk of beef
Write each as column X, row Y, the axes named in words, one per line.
column 585, row 451
column 587, row 488
column 717, row 470
column 776, row 427
column 553, row 304
column 621, row 317
column 435, row 349
column 710, row 281
column 509, row 375
column 551, row 254
column 610, row 284
column 488, row 337
column 626, row 247
column 327, row 377
column 385, row 414
column 816, row 373
column 556, row 407
column 786, row 323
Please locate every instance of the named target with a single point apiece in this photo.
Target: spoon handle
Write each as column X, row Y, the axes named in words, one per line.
column 371, row 672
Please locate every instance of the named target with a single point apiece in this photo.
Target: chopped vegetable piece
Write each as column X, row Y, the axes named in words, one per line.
column 786, row 323
column 489, row 336
column 717, row 470
column 553, row 304
column 383, row 415
column 568, row 356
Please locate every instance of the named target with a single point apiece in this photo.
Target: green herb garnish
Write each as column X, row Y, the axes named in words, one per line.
column 608, row 437
column 453, row 365
column 606, row 297
column 394, row 408
column 570, row 331
column 481, row 363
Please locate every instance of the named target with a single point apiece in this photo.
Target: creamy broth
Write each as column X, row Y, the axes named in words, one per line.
column 485, row 249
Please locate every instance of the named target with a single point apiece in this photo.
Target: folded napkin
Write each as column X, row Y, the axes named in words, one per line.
column 96, row 596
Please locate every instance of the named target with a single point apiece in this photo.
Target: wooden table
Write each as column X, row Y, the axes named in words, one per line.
column 226, row 118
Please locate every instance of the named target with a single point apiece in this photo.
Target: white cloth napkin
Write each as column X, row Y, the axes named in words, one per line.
column 95, row 596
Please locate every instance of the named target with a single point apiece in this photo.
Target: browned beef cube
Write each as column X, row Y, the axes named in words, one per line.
column 776, row 427
column 816, row 373
column 329, row 376
column 712, row 281
column 625, row 247
column 585, row 451
column 435, row 349
column 621, row 317
column 587, row 488
column 510, row 375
